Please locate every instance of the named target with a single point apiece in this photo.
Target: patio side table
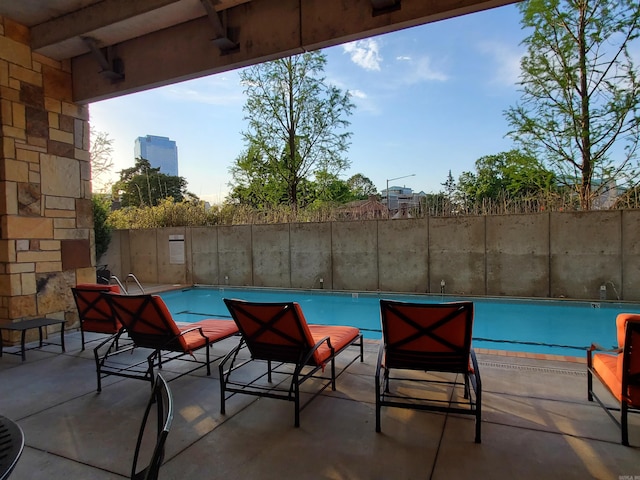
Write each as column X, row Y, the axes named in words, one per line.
column 25, row 325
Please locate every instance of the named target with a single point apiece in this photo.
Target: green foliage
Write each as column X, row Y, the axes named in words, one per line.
column 512, row 174
column 166, row 214
column 296, row 129
column 142, row 185
column 580, row 92
column 361, row 187
column 101, row 206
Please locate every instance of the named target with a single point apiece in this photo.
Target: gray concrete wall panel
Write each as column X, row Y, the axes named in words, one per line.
column 354, row 252
column 403, row 256
column 271, row 257
column 585, row 252
column 117, row 250
column 234, row 255
column 630, row 257
column 172, row 268
column 554, row 255
column 144, row 255
column 311, row 255
column 518, row 255
column 204, row 255
column 457, row 255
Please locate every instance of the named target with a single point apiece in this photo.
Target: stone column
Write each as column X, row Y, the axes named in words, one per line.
column 46, row 220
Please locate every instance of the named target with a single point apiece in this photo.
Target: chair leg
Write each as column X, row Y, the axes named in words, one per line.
column 589, row 385
column 378, row 406
column 623, row 423
column 208, row 359
column 333, row 374
column 296, row 400
column 82, row 336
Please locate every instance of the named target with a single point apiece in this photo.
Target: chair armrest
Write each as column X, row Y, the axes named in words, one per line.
column 600, row 348
column 309, row 354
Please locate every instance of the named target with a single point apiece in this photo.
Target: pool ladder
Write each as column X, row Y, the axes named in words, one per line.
column 124, row 288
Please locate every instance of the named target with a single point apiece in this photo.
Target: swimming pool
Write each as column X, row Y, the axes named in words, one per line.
column 557, row 327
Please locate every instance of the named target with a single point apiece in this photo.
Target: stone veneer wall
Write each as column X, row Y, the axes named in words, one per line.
column 46, row 219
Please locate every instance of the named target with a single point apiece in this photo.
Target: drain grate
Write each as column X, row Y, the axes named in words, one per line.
column 532, row 368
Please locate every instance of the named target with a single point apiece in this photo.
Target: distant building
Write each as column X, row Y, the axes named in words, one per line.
column 363, row 209
column 161, row 152
column 399, row 200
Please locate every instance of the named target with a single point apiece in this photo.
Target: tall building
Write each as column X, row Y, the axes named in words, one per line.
column 161, row 152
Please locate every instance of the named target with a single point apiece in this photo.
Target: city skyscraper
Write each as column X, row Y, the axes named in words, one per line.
column 161, row 152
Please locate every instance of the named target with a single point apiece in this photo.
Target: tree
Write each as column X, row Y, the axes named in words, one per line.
column 142, row 185
column 361, row 187
column 580, row 91
column 296, row 120
column 253, row 182
column 100, row 154
column 101, row 207
column 511, row 174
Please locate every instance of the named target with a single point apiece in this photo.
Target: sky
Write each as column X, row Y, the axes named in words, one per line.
column 429, row 100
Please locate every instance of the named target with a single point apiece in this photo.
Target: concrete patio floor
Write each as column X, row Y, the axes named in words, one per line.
column 537, row 423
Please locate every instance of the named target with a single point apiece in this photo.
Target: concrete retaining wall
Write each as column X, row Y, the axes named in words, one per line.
column 540, row 255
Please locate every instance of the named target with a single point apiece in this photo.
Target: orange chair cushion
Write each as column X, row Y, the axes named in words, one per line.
column 339, row 337
column 214, row 330
column 96, row 319
column 606, row 365
column 99, row 287
column 621, row 325
column 149, row 315
column 609, row 366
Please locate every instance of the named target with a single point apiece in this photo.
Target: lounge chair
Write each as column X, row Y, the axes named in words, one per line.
column 619, row 371
column 428, row 338
column 277, row 333
column 162, row 399
column 149, row 324
column 93, row 311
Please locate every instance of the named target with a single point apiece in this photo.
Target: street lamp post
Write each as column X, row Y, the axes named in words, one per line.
column 390, row 180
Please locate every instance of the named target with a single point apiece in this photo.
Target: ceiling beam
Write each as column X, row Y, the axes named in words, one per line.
column 113, row 21
column 269, row 29
column 220, row 30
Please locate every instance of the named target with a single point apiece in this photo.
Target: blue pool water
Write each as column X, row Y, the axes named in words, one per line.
column 558, row 327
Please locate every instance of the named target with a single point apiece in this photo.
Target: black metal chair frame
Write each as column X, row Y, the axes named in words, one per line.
column 632, row 329
column 160, row 343
column 455, row 361
column 11, row 446
column 162, row 398
column 277, row 357
column 92, row 306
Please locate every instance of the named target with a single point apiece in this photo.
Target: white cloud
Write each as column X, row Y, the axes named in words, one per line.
column 507, row 57
column 364, row 53
column 357, row 94
column 403, row 58
column 421, row 70
column 363, row 102
column 220, row 90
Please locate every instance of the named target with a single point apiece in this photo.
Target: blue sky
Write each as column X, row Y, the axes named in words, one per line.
column 428, row 99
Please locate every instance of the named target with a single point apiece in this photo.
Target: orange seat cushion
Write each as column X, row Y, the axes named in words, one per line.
column 97, row 318
column 99, row 287
column 609, row 366
column 339, row 337
column 606, row 365
column 214, row 330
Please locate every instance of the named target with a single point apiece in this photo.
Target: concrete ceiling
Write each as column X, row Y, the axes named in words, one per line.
column 122, row 46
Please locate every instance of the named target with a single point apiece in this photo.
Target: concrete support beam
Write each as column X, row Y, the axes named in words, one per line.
column 266, row 30
column 62, row 35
